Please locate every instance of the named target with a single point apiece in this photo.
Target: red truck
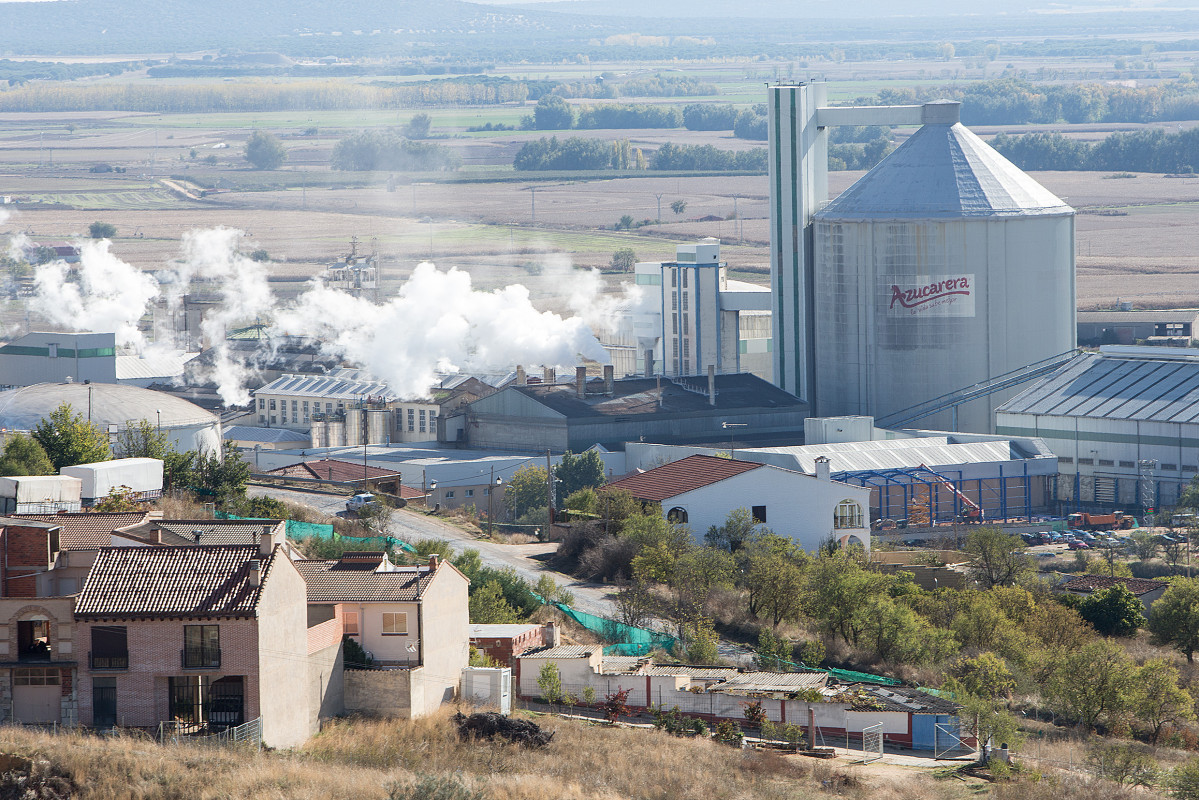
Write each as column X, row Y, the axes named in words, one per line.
column 1101, row 522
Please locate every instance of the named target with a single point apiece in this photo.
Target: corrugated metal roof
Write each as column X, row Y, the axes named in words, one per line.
column 478, row 631
column 934, row 451
column 681, row 476
column 774, row 682
column 192, row 582
column 152, row 366
column 331, row 387
column 943, row 171
column 1172, row 315
column 1119, row 388
column 563, row 651
column 252, row 433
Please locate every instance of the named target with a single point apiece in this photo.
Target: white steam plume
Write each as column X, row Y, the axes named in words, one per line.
column 109, row 294
column 438, row 322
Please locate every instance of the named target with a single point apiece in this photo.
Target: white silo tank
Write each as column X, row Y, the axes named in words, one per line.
column 943, row 266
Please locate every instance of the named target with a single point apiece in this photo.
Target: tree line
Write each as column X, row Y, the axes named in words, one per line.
column 1010, row 101
column 575, row 153
column 1136, row 151
column 390, row 151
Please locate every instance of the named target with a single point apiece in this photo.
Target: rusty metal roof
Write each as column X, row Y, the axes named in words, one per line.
column 685, row 475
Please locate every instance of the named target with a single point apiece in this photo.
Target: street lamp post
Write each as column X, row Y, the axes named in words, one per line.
column 158, row 411
column 728, row 426
column 491, row 499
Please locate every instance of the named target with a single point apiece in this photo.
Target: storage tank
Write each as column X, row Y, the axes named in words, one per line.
column 943, row 266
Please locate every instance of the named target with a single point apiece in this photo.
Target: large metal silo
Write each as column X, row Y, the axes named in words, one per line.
column 942, row 267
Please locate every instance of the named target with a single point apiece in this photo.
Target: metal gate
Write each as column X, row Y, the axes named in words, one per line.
column 948, row 741
column 872, row 743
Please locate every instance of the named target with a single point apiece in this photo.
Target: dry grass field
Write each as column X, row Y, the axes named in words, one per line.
column 1134, row 235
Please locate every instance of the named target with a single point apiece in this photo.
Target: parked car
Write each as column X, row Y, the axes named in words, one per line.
column 361, row 501
column 1078, row 544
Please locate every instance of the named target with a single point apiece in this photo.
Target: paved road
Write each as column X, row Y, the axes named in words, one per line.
column 412, row 526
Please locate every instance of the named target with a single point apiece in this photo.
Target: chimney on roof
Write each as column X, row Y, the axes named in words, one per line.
column 551, row 635
column 581, row 382
column 822, row 468
column 433, row 562
column 266, row 542
column 609, row 380
column 521, row 379
column 649, row 363
column 255, row 572
column 711, row 384
column 549, row 376
column 195, row 536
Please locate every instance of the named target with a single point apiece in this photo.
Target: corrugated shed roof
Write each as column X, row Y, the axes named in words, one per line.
column 563, row 651
column 252, row 433
column 685, row 475
column 1093, row 583
column 153, row 366
column 943, row 171
column 84, row 531
column 907, row 698
column 774, row 682
column 189, row 582
column 633, row 396
column 335, row 581
column 1119, row 388
column 1146, row 316
column 333, row 387
column 500, row 631
column 934, row 451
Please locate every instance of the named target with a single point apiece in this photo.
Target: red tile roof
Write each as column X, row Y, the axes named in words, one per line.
column 350, row 580
column 1093, row 583
column 172, row 582
column 681, row 476
column 86, row 531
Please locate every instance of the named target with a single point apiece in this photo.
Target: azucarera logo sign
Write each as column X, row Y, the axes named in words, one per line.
column 939, row 296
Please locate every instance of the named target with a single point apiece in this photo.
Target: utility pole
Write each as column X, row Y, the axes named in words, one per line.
column 659, row 196
column 533, row 203
column 549, row 485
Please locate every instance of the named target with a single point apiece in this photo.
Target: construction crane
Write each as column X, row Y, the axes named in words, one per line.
column 974, row 512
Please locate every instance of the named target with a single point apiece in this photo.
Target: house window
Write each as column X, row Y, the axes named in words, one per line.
column 848, row 515
column 470, row 492
column 411, row 420
column 684, row 280
column 36, row 676
column 261, row 404
column 328, row 408
column 198, row 700
column 1169, row 467
column 1106, row 462
column 33, row 640
column 349, row 623
column 201, row 646
column 110, row 647
column 685, row 296
column 422, row 420
column 272, row 404
column 759, row 513
column 395, row 623
column 677, row 515
column 449, row 494
column 1065, row 460
column 262, row 417
column 674, row 323
column 674, row 277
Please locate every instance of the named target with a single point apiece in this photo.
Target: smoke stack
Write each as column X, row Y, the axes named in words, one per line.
column 581, row 382
column 265, row 543
column 521, row 379
column 649, row 363
column 609, row 380
column 712, row 384
column 548, row 376
column 255, row 573
column 822, row 468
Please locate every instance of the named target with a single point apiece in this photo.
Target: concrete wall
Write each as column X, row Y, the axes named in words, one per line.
column 798, row 506
column 445, row 649
column 326, row 685
column 379, row 692
column 282, row 650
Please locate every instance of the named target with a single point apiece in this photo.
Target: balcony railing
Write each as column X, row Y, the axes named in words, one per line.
column 200, row 657
column 96, row 662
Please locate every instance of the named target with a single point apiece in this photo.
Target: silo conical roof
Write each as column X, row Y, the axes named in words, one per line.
column 944, row 171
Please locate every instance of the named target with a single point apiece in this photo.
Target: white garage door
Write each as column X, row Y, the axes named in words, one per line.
column 36, row 695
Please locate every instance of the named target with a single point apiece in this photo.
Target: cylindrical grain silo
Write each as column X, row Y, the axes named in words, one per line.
column 942, row 267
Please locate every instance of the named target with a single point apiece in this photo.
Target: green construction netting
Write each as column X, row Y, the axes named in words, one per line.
column 841, row 674
column 302, row 530
column 630, row 641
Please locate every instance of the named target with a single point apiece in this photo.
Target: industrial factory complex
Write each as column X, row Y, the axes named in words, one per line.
column 917, row 347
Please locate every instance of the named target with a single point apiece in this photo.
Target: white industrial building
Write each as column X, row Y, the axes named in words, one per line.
column 113, row 407
column 1123, row 422
column 691, row 315
column 939, row 474
column 929, row 275
column 56, row 357
column 700, row 491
